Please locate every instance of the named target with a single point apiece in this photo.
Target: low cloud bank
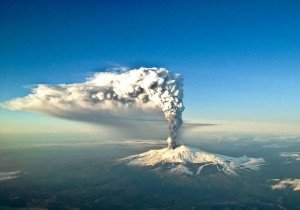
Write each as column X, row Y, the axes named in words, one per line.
column 293, row 155
column 4, row 176
column 294, row 184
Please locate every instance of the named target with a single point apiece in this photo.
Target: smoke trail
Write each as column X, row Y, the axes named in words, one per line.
column 112, row 95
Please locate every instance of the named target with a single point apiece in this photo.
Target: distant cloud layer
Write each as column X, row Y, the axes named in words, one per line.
column 294, row 184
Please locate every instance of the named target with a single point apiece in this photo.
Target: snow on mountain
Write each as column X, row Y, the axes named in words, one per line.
column 192, row 161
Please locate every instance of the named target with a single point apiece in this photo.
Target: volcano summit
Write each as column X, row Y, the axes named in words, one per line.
column 192, row 161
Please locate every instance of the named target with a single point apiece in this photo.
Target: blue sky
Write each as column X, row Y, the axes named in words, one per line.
column 240, row 59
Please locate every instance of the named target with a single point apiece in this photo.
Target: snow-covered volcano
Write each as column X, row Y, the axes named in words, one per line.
column 192, row 161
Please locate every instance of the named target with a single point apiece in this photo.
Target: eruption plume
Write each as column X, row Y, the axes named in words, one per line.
column 112, row 96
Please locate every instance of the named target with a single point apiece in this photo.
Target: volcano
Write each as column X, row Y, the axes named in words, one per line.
column 192, row 161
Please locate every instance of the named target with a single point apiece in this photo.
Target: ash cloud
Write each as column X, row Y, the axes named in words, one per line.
column 113, row 99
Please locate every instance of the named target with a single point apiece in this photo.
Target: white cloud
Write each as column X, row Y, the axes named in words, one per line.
column 294, row 184
column 293, row 155
column 4, row 176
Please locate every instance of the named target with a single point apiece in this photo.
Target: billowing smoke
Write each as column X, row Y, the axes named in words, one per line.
column 112, row 95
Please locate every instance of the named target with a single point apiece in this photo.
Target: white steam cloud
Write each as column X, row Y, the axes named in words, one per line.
column 112, row 97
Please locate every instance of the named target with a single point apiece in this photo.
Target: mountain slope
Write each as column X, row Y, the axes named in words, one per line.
column 192, row 161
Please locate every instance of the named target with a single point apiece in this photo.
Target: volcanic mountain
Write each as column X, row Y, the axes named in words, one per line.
column 192, row 161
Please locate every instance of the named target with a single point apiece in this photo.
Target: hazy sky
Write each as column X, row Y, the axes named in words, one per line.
column 240, row 59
